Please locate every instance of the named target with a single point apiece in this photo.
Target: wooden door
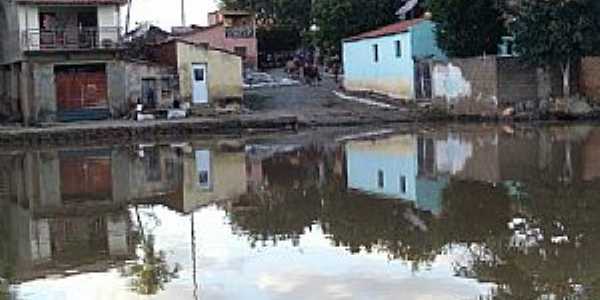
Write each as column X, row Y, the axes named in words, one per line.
column 81, row 87
column 85, row 178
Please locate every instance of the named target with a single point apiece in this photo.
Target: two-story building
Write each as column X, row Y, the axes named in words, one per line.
column 58, row 59
column 234, row 31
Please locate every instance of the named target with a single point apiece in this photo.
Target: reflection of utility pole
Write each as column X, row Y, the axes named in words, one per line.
column 183, row 13
column 128, row 16
column 194, row 257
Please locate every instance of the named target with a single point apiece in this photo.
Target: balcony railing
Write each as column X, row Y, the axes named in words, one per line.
column 71, row 38
column 245, row 32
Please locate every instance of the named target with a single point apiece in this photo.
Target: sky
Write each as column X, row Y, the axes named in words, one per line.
column 167, row 13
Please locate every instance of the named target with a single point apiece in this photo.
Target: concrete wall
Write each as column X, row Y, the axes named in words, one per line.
column 224, row 73
column 517, row 82
column 486, row 82
column 589, row 77
column 10, row 18
column 41, row 104
column 470, row 78
column 390, row 75
column 125, row 82
column 215, row 37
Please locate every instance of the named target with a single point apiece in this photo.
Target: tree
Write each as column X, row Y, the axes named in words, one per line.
column 339, row 19
column 557, row 32
column 276, row 19
column 467, row 28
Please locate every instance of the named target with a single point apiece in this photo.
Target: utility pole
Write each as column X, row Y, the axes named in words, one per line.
column 128, row 16
column 183, row 13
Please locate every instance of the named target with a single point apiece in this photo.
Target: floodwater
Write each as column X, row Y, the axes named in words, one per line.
column 468, row 212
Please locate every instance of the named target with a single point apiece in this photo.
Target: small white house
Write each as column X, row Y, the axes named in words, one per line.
column 393, row 60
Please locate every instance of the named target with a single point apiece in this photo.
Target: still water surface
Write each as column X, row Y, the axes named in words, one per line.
column 471, row 212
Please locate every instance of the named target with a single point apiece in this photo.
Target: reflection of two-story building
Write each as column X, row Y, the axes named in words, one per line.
column 58, row 58
column 61, row 216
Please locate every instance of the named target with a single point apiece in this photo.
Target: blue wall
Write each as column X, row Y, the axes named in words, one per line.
column 424, row 42
column 364, row 164
column 390, row 75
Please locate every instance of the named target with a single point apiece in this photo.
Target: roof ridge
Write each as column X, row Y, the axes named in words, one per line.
column 397, row 27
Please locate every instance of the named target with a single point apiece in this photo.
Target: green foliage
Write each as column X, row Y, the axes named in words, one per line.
column 467, row 28
column 556, row 32
column 281, row 22
column 339, row 19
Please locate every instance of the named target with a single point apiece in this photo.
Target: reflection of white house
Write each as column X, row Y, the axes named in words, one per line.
column 212, row 176
column 386, row 167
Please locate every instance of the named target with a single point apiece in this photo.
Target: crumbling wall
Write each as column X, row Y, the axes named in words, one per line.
column 469, row 86
column 466, row 79
column 480, row 84
column 589, row 77
column 125, row 79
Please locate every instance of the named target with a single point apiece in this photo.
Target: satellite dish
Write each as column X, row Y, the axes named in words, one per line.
column 408, row 6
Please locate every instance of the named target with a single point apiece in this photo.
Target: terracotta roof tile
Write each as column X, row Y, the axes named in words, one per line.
column 398, row 27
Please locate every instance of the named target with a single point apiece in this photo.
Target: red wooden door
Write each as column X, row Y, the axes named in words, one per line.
column 78, row 88
column 85, row 178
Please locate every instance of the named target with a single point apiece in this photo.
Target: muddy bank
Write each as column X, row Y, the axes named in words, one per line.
column 123, row 132
column 116, row 131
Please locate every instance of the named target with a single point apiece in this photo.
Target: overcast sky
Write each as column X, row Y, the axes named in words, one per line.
column 167, row 13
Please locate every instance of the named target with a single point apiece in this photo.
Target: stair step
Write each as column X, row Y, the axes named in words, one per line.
column 84, row 114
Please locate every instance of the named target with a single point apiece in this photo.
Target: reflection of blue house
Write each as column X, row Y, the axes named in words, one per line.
column 396, row 168
column 392, row 60
column 429, row 194
column 385, row 167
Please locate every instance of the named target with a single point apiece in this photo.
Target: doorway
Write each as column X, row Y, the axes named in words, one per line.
column 423, row 80
column 199, row 84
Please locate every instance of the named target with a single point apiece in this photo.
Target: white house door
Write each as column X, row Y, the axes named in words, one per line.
column 199, row 86
column 203, row 168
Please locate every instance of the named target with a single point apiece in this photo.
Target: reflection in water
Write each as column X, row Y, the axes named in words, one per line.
column 470, row 213
column 150, row 272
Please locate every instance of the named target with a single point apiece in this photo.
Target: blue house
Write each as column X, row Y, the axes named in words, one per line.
column 394, row 60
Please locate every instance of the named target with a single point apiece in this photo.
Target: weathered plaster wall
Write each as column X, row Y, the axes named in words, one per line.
column 125, row 82
column 449, row 82
column 589, row 79
column 224, row 72
column 467, row 78
column 486, row 82
column 11, row 17
column 44, row 92
column 215, row 37
column 228, row 177
column 389, row 75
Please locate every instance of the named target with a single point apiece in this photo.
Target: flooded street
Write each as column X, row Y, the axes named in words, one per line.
column 466, row 212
